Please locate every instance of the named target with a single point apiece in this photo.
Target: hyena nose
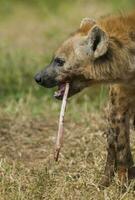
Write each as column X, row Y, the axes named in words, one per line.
column 38, row 78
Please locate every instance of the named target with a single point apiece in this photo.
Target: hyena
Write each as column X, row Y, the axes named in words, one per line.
column 101, row 52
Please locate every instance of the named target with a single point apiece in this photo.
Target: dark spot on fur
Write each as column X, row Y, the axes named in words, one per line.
column 112, row 101
column 132, row 36
column 132, row 51
column 113, row 120
column 117, row 133
column 130, row 159
column 123, row 120
column 134, row 121
column 127, row 160
column 118, row 121
column 111, row 94
column 111, row 146
column 121, row 147
column 115, row 93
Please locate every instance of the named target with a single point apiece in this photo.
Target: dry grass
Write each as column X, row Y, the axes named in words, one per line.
column 28, row 170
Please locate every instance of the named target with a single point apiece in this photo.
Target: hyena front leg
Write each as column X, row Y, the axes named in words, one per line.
column 119, row 155
column 124, row 158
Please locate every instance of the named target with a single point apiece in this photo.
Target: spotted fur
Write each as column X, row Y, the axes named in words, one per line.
column 103, row 51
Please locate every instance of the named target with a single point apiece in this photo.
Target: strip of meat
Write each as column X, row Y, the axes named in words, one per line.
column 59, row 138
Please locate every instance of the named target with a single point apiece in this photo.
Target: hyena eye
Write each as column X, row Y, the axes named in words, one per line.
column 59, row 61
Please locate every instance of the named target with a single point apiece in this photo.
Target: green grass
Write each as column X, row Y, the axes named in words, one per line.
column 30, row 32
column 25, row 50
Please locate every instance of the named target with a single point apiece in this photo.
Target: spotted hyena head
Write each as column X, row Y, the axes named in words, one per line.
column 90, row 55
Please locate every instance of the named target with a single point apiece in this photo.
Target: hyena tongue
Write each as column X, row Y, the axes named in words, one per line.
column 61, row 89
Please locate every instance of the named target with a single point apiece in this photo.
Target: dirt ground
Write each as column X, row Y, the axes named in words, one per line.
column 31, row 140
column 28, row 170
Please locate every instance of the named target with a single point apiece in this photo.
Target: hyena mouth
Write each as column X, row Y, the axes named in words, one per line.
column 60, row 92
column 76, row 85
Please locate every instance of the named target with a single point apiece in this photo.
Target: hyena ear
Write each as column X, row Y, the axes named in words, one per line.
column 98, row 42
column 86, row 24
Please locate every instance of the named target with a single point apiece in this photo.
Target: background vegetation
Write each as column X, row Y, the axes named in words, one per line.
column 30, row 31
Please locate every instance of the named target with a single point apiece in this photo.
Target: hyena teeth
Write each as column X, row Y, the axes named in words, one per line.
column 57, row 94
column 61, row 90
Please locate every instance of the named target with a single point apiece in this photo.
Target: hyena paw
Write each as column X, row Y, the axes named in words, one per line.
column 125, row 178
column 126, row 175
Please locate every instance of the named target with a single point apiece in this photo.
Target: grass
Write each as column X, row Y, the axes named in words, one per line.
column 28, row 170
column 25, row 49
column 30, row 32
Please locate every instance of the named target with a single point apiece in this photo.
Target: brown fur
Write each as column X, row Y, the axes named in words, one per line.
column 117, row 66
column 104, row 52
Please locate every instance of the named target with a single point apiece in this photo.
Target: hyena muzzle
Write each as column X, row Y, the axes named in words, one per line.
column 101, row 51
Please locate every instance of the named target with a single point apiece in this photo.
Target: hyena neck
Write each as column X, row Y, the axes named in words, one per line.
column 119, row 25
column 118, row 64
